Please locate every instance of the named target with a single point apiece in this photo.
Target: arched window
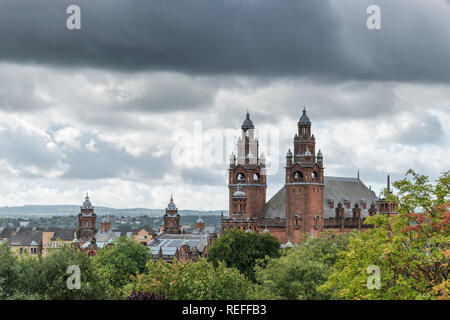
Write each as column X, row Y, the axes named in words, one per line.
column 298, row 176
column 256, row 177
column 315, row 175
column 240, row 177
column 297, row 219
column 87, row 224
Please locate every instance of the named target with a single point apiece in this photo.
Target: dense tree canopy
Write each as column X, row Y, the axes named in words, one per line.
column 116, row 264
column 28, row 277
column 241, row 250
column 193, row 280
column 300, row 270
column 411, row 250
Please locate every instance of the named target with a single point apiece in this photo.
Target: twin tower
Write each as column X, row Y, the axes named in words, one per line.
column 301, row 199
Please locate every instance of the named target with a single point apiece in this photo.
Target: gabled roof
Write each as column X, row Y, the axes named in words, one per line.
column 26, row 237
column 7, row 233
column 65, row 234
column 336, row 189
column 276, row 207
column 340, row 189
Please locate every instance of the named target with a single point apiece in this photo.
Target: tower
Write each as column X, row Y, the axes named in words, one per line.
column 304, row 184
column 247, row 171
column 200, row 224
column 86, row 221
column 105, row 225
column 172, row 218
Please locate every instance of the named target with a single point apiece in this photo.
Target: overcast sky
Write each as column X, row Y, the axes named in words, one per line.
column 101, row 109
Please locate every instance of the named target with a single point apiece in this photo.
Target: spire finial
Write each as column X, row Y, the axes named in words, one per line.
column 358, row 174
column 304, row 108
column 389, row 183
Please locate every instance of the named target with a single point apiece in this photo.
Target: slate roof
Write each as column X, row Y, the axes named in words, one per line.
column 26, row 237
column 339, row 189
column 336, row 189
column 65, row 234
column 6, row 233
column 276, row 207
column 169, row 243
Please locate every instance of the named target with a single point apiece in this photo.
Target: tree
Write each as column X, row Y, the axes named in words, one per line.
column 192, row 280
column 300, row 270
column 28, row 277
column 411, row 249
column 241, row 250
column 116, row 264
column 50, row 278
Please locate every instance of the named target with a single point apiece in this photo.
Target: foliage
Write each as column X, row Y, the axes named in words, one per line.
column 141, row 295
column 28, row 277
column 241, row 250
column 116, row 264
column 300, row 270
column 193, row 280
column 411, row 249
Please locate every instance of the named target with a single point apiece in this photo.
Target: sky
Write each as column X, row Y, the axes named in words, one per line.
column 147, row 99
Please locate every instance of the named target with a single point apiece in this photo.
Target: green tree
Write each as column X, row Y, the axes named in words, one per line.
column 241, row 250
column 300, row 270
column 192, row 280
column 28, row 277
column 49, row 278
column 411, row 249
column 12, row 278
column 116, row 264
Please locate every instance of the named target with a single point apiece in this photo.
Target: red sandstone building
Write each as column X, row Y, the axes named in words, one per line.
column 309, row 202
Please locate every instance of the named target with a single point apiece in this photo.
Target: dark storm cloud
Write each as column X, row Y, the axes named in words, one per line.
column 264, row 37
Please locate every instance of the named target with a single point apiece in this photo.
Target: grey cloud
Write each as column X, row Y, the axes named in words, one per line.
column 262, row 38
column 110, row 162
column 425, row 130
column 24, row 150
column 202, row 176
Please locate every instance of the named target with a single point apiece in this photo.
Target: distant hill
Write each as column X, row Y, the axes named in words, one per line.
column 62, row 210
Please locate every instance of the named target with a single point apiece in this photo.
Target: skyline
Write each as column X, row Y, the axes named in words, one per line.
column 96, row 110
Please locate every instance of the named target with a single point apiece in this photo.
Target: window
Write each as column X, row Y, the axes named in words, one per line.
column 256, row 177
column 298, row 176
column 240, row 177
column 315, row 175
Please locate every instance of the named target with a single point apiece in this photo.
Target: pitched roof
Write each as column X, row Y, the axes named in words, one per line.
column 7, row 233
column 66, row 234
column 340, row 189
column 336, row 189
column 276, row 207
column 26, row 237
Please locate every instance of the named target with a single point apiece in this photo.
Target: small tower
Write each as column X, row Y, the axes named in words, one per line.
column 247, row 169
column 200, row 224
column 105, row 225
column 86, row 221
column 304, row 183
column 172, row 218
column 239, row 204
column 386, row 207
